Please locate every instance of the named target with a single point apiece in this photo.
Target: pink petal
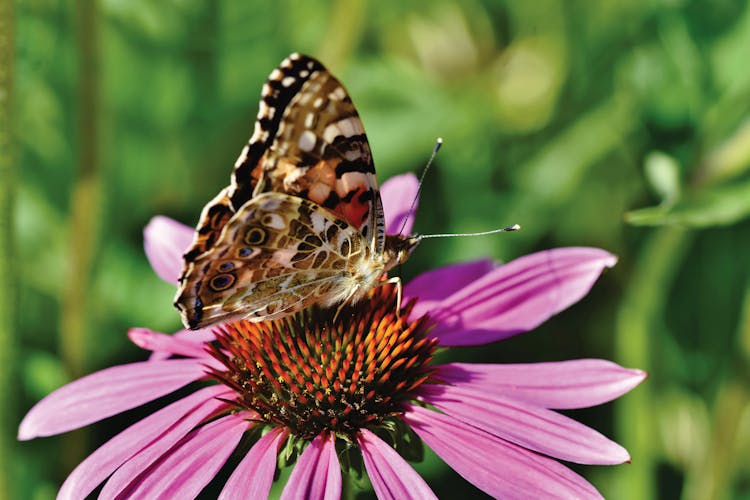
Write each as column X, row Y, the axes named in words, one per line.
column 189, row 467
column 398, row 193
column 169, row 344
column 127, row 476
column 165, row 240
column 254, row 475
column 561, row 385
column 391, row 476
column 106, row 393
column 433, row 286
column 317, row 473
column 534, row 428
column 176, row 419
column 518, row 296
column 495, row 466
column 198, row 337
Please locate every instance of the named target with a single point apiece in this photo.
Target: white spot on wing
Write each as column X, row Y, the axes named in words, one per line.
column 318, row 222
column 284, row 257
column 274, row 221
column 306, row 141
column 338, row 93
column 347, row 127
column 351, row 181
column 242, row 156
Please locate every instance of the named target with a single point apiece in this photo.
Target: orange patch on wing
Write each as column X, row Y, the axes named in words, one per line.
column 354, row 211
column 350, row 187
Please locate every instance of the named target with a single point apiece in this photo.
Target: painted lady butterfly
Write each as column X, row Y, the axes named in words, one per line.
column 301, row 222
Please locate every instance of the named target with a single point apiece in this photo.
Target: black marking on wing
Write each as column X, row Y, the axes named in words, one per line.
column 277, row 99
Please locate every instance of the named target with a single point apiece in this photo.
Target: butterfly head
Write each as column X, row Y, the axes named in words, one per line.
column 398, row 249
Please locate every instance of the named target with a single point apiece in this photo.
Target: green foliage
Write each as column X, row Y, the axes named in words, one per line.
column 622, row 125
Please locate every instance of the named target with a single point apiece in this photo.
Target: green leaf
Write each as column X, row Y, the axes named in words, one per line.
column 721, row 206
column 663, row 175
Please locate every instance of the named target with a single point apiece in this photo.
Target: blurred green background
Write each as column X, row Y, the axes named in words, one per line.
column 621, row 124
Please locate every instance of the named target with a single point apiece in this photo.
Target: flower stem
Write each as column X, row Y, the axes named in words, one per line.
column 658, row 263
column 716, row 470
column 347, row 485
column 85, row 209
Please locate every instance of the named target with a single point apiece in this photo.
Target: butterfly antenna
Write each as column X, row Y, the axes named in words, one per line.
column 514, row 227
column 410, row 213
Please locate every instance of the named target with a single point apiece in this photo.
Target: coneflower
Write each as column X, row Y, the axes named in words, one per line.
column 325, row 396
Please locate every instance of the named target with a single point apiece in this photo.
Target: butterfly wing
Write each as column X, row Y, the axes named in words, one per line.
column 277, row 255
column 320, row 152
column 308, row 141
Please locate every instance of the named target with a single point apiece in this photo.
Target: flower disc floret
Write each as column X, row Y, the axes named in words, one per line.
column 311, row 373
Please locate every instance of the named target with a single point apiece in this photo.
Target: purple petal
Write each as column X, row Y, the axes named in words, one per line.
column 391, row 476
column 165, row 240
column 189, row 467
column 534, row 428
column 129, row 475
column 561, row 385
column 433, row 286
column 518, row 296
column 317, row 473
column 198, row 337
column 495, row 466
column 398, row 193
column 177, row 419
column 169, row 344
column 254, row 475
column 106, row 393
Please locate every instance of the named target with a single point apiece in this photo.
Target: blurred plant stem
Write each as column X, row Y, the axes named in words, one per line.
column 85, row 210
column 711, row 476
column 9, row 384
column 345, row 30
column 713, row 473
column 645, row 299
column 347, row 487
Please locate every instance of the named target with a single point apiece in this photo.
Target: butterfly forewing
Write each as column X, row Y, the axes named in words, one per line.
column 282, row 86
column 318, row 150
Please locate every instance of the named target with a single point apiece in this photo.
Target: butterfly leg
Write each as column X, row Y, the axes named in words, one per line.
column 338, row 310
column 343, row 304
column 399, row 287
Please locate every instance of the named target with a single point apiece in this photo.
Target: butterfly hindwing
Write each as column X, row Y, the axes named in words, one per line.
column 277, row 255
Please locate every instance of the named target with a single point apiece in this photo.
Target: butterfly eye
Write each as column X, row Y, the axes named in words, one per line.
column 256, row 236
column 222, row 282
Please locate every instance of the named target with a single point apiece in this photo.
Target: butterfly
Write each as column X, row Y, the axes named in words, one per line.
column 301, row 222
